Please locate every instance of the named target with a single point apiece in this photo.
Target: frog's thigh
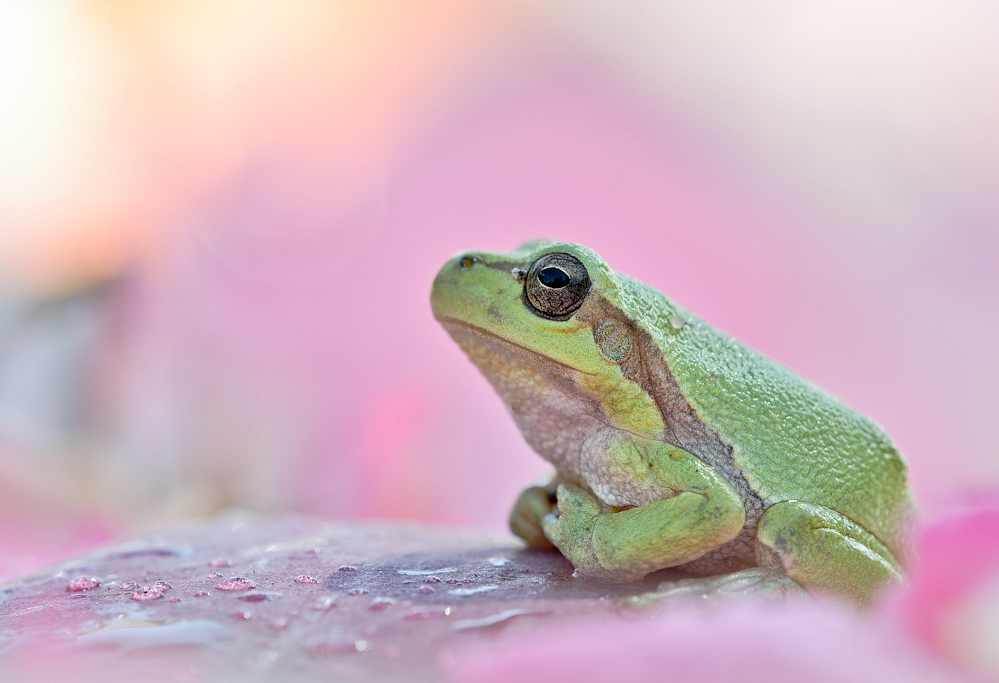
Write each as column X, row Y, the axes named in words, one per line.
column 705, row 513
column 823, row 550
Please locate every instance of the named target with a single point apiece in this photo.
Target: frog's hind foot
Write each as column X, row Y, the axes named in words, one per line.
column 824, row 551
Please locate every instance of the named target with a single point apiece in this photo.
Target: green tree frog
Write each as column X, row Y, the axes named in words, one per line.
column 674, row 445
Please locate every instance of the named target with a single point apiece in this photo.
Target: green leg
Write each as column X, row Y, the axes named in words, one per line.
column 698, row 511
column 824, row 551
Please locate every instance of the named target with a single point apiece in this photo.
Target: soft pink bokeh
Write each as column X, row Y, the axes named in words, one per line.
column 274, row 190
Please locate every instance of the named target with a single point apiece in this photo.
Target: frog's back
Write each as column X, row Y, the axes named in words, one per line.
column 784, row 438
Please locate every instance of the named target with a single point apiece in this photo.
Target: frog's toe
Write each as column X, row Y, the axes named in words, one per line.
column 531, row 507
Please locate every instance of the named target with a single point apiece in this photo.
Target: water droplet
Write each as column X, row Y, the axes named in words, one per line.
column 491, row 620
column 677, row 322
column 214, row 575
column 236, row 583
column 306, row 579
column 279, row 624
column 201, row 594
column 357, row 591
column 255, row 597
column 129, row 586
column 219, row 562
column 314, row 551
column 146, row 594
column 472, row 591
column 83, row 583
column 362, row 645
column 242, row 616
column 425, row 590
column 498, row 561
column 431, row 579
column 468, row 580
column 381, row 604
column 453, row 581
column 161, row 586
column 346, row 568
column 173, row 599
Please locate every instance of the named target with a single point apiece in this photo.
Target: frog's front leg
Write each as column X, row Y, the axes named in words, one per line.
column 824, row 551
column 698, row 511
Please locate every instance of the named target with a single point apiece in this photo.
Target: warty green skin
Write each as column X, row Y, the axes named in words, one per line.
column 674, row 444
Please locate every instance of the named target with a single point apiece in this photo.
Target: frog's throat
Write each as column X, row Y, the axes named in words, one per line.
column 466, row 327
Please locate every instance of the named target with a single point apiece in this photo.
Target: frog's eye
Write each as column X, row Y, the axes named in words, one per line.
column 556, row 286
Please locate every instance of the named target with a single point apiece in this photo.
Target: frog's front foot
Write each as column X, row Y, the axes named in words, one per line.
column 569, row 526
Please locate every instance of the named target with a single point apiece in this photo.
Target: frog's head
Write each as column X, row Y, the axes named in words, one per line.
column 541, row 321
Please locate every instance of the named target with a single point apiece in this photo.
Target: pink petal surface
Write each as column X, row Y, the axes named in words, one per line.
column 416, row 603
column 768, row 643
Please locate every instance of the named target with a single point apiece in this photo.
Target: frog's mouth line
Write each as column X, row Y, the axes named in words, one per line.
column 453, row 322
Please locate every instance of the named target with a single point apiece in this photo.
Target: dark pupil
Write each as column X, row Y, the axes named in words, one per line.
column 554, row 278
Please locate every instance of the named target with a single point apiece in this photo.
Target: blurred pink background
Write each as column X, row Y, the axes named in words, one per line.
column 219, row 222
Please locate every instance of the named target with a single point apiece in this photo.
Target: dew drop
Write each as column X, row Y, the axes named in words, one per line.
column 357, row 591
column 431, row 579
column 83, row 583
column 219, row 562
column 381, row 604
column 279, row 624
column 173, row 599
column 201, row 594
column 241, row 616
column 254, row 597
column 346, row 568
column 306, row 579
column 473, row 591
column 236, row 583
column 425, row 590
column 146, row 595
column 453, row 581
column 677, row 322
column 161, row 586
column 314, row 551
column 214, row 575
column 129, row 586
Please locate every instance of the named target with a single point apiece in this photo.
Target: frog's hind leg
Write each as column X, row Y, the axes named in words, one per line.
column 824, row 551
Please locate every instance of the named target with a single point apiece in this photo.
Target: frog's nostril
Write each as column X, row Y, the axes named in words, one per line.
column 467, row 262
